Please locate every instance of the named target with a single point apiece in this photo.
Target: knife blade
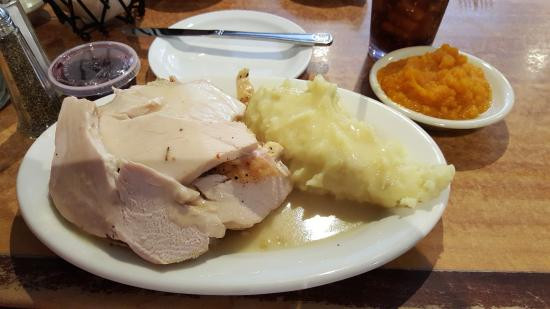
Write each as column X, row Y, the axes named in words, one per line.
column 309, row 39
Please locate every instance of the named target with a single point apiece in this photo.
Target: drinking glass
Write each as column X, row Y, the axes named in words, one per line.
column 401, row 23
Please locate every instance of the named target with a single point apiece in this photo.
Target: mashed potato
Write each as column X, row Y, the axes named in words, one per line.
column 327, row 151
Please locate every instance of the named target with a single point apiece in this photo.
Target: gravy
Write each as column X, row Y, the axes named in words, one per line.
column 303, row 218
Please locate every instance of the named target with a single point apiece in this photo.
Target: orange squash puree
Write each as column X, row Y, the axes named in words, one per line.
column 441, row 84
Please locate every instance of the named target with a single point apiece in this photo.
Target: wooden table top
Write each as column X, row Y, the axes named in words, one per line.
column 498, row 217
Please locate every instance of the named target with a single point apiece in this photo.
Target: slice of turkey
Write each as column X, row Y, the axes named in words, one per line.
column 244, row 191
column 179, row 129
column 157, row 221
column 197, row 100
column 181, row 148
column 108, row 197
column 82, row 179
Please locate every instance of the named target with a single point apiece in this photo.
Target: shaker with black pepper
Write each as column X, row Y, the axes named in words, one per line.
column 33, row 96
column 20, row 20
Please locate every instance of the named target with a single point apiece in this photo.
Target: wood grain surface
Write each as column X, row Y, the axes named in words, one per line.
column 54, row 283
column 498, row 217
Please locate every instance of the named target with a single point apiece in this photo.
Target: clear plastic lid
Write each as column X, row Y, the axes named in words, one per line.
column 93, row 69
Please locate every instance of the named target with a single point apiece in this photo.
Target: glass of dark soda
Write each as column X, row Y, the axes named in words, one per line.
column 401, row 23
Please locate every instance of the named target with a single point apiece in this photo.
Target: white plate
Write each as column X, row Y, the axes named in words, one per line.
column 501, row 104
column 186, row 57
column 368, row 246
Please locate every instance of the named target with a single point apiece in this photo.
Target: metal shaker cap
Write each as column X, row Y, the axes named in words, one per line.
column 4, row 16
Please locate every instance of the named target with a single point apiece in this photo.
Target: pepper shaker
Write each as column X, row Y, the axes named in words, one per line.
column 21, row 21
column 34, row 98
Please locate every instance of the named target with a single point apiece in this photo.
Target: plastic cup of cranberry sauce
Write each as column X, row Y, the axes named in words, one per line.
column 92, row 70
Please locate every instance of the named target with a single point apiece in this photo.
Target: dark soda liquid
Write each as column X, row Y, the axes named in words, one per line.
column 401, row 23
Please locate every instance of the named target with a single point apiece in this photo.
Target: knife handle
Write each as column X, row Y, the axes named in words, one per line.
column 310, row 39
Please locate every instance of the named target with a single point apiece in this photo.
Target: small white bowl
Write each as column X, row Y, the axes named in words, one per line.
column 502, row 96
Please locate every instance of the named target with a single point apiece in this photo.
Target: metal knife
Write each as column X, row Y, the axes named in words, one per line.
column 309, row 39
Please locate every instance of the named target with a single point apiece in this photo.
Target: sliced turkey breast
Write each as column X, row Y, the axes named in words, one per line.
column 82, row 179
column 244, row 191
column 159, row 218
column 177, row 147
column 157, row 221
column 122, row 171
column 198, row 100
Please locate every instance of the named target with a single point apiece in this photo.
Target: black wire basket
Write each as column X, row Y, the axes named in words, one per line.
column 84, row 25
